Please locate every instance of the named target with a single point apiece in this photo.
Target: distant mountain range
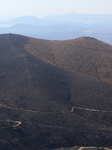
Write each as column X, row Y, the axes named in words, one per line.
column 31, row 20
column 54, row 93
column 70, row 17
column 82, row 18
column 62, row 27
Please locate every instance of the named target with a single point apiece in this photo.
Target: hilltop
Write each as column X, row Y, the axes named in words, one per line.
column 85, row 56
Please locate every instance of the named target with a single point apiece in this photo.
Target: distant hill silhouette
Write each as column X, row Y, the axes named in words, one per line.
column 54, row 93
column 23, row 20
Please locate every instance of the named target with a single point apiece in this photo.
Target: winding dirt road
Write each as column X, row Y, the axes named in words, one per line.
column 62, row 112
column 18, row 123
column 94, row 148
column 15, row 124
column 33, row 111
column 88, row 109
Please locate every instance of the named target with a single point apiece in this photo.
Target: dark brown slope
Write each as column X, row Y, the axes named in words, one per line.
column 84, row 56
column 29, row 82
column 37, row 95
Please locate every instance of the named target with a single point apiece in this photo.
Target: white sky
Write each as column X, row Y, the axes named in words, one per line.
column 15, row 8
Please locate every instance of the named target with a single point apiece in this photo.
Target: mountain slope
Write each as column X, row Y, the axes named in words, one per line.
column 48, row 80
column 31, row 76
column 84, row 56
column 47, row 101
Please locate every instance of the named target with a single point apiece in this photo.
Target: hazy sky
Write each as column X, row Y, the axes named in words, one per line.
column 15, row 8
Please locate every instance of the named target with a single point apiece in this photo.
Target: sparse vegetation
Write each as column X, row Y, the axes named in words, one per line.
column 41, row 81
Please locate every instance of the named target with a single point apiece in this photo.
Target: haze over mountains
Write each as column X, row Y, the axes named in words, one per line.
column 54, row 94
column 82, row 18
column 67, row 26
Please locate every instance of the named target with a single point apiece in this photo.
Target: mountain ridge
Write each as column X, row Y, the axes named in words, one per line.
column 85, row 45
